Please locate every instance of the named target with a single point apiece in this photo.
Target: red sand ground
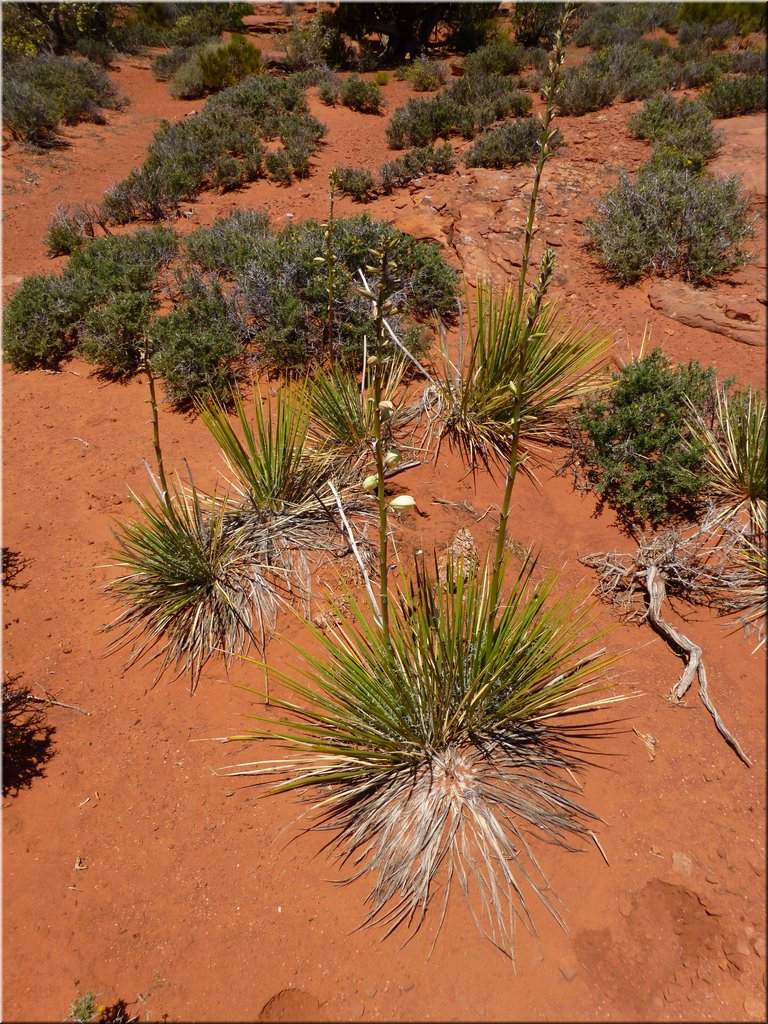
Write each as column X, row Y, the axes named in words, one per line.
column 134, row 870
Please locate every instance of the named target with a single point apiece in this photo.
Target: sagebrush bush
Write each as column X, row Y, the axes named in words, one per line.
column 198, row 346
column 364, row 97
column 635, row 446
column 165, row 65
column 499, row 57
column 329, row 88
column 68, row 230
column 415, row 162
column 185, row 157
column 357, row 182
column 215, row 67
column 313, row 45
column 668, row 220
column 466, row 106
column 41, row 92
column 743, row 62
column 684, row 125
column 732, row 97
column 38, row 323
column 97, row 51
column 112, row 336
column 512, row 143
column 426, row 75
column 282, row 292
column 627, row 71
column 187, row 82
column 227, row 247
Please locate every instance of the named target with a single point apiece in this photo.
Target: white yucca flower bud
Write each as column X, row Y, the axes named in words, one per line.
column 393, row 459
column 402, row 503
column 371, row 482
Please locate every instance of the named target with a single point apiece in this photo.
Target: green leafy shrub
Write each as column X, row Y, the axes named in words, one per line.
column 715, row 34
column 97, row 51
column 185, row 157
column 313, row 45
column 512, row 143
column 608, row 24
column 381, row 78
column 499, row 57
column 732, row 97
column 213, row 68
column 743, row 62
column 415, row 162
column 198, row 345
column 282, row 292
column 113, row 336
column 635, row 447
column 466, row 106
column 68, row 230
column 43, row 91
column 329, row 89
column 365, row 97
column 426, row 75
column 165, row 65
column 684, row 125
column 625, row 71
column 227, row 247
column 357, row 182
column 38, row 323
column 668, row 221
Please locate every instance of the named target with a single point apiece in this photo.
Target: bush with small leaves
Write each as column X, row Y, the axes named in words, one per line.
column 188, row 82
column 313, row 45
column 38, row 323
column 227, row 247
column 357, row 182
column 714, row 34
column 165, row 65
column 512, row 143
column 499, row 57
column 670, row 221
column 684, row 125
column 364, row 97
column 426, row 75
column 97, row 51
column 278, row 166
column 41, row 92
column 381, row 78
column 197, row 346
column 329, row 89
column 68, row 230
column 113, row 336
column 733, row 97
column 415, row 162
column 635, row 447
column 743, row 62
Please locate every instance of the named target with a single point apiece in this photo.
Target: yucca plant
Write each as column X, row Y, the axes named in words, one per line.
column 735, row 456
column 342, row 408
column 193, row 583
column 441, row 749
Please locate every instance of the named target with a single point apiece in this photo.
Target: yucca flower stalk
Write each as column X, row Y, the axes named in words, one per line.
column 441, row 747
column 735, row 456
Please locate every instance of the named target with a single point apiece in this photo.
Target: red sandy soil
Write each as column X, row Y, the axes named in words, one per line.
column 134, row 869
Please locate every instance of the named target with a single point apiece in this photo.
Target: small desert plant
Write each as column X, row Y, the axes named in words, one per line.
column 278, row 166
column 365, row 97
column 415, row 162
column 426, row 75
column 635, row 447
column 329, row 89
column 41, row 92
column 227, row 247
column 732, row 97
column 381, row 78
column 499, row 57
column 97, row 51
column 312, row 45
column 357, row 182
column 216, row 67
column 670, row 220
column 69, row 229
column 735, row 452
column 684, row 125
column 512, row 143
column 165, row 65
column 38, row 323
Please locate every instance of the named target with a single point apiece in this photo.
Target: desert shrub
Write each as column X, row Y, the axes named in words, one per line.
column 197, row 346
column 463, row 108
column 97, row 51
column 626, row 72
column 731, row 97
column 227, row 247
column 515, row 142
column 426, row 75
column 113, row 336
column 535, row 24
column 714, row 34
column 185, row 157
column 41, row 92
column 365, row 97
column 165, row 65
column 381, row 78
column 278, row 166
column 499, row 57
column 743, row 62
column 684, row 125
column 26, row 735
column 68, row 230
column 609, row 24
column 313, row 45
column 188, row 82
column 329, row 89
column 667, row 221
column 357, row 182
column 38, row 323
column 282, row 292
column 415, row 162
column 691, row 74
column 586, row 88
column 635, row 447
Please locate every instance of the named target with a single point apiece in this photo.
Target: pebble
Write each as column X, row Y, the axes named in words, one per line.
column 568, row 971
column 682, row 863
